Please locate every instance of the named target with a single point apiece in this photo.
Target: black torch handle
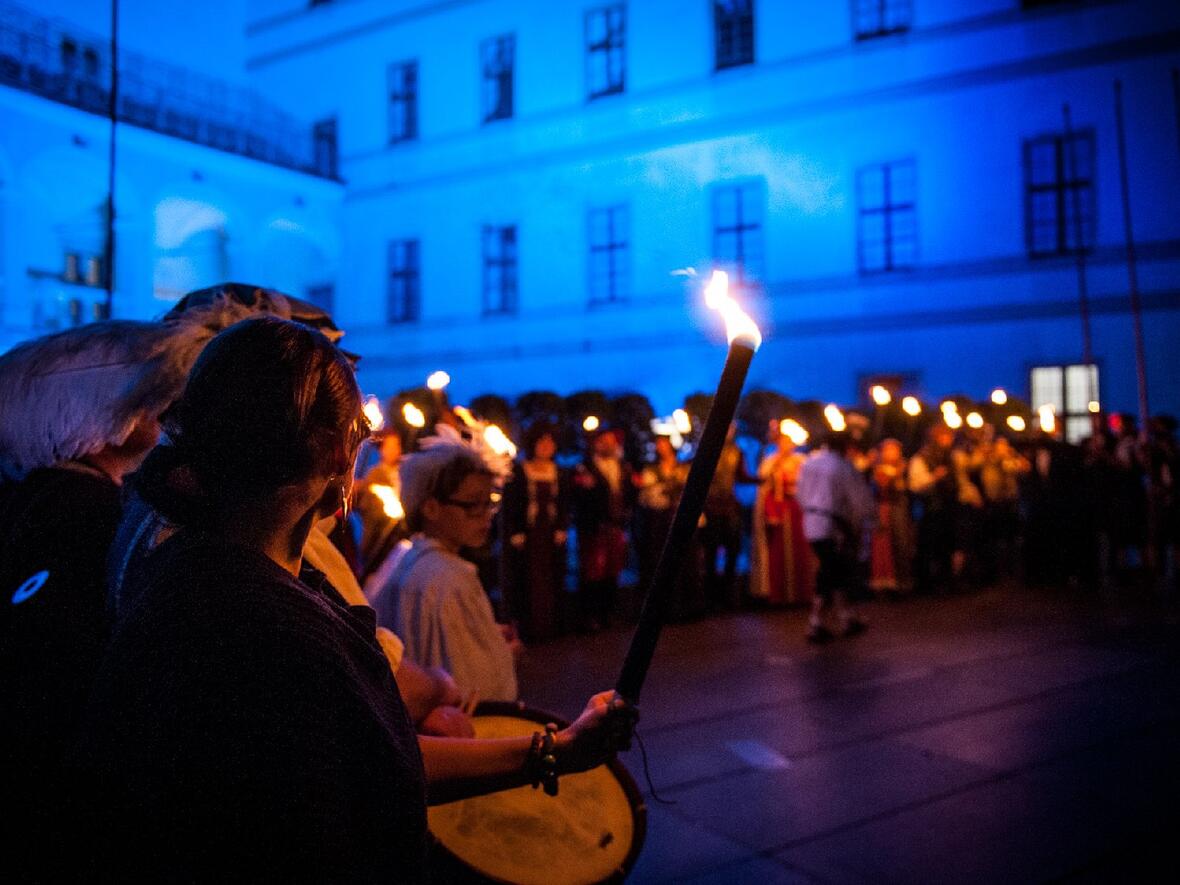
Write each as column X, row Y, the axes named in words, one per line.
column 684, row 523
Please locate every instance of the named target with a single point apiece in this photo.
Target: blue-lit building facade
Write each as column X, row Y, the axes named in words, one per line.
column 892, row 184
column 213, row 180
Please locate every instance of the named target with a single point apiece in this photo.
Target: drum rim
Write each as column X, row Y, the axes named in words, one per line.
column 521, row 710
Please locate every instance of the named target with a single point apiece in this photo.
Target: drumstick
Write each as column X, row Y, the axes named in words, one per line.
column 469, row 703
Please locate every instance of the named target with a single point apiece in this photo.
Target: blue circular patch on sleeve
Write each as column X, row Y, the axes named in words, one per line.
column 29, row 587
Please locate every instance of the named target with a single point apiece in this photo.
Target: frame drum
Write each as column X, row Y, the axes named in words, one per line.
column 591, row 831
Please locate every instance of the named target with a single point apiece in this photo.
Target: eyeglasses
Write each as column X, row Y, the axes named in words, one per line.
column 475, row 508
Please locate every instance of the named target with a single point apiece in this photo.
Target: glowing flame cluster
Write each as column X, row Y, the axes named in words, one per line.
column 413, row 415
column 373, row 414
column 389, row 501
column 835, row 417
column 739, row 326
column 498, row 441
column 794, row 431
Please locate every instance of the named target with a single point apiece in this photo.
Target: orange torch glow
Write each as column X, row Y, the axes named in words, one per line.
column 438, row 380
column 389, row 501
column 911, row 406
column 373, row 413
column 881, row 395
column 835, row 417
column 794, row 431
column 413, row 415
column 1048, row 419
column 499, row 441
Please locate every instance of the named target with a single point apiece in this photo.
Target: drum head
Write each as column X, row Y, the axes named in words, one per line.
column 591, row 831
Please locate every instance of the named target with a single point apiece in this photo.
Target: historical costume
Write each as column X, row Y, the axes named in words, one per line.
column 425, row 591
column 892, row 551
column 535, row 522
column 604, row 494
column 782, row 565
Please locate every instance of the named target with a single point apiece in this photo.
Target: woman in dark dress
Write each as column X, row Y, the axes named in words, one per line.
column 245, row 724
column 536, row 520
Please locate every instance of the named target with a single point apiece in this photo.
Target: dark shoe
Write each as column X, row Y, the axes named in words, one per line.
column 819, row 635
column 854, row 628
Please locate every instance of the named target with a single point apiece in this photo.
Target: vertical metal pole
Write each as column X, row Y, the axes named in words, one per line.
column 113, row 113
column 1080, row 251
column 1132, row 270
column 1176, row 102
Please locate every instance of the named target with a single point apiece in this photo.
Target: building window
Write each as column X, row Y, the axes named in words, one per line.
column 606, row 33
column 887, row 225
column 403, row 101
column 499, row 270
column 878, row 18
column 738, row 214
column 323, row 137
column 496, row 57
column 323, row 296
column 609, row 232
column 404, row 282
column 733, row 33
column 1072, row 391
column 1059, row 193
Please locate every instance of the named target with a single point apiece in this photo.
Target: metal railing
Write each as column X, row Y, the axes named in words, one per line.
column 59, row 62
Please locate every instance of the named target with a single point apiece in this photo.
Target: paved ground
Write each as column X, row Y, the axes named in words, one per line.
column 1008, row 735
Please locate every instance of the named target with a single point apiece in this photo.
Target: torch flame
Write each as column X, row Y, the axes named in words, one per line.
column 681, row 421
column 911, row 406
column 438, row 380
column 465, row 416
column 949, row 405
column 835, row 417
column 389, row 501
column 974, row 420
column 1016, row 423
column 590, row 424
column 413, row 415
column 794, row 431
column 999, row 396
column 953, row 419
column 738, row 325
column 373, row 414
column 881, row 395
column 498, row 441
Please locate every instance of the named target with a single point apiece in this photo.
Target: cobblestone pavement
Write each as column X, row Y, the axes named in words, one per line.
column 1006, row 735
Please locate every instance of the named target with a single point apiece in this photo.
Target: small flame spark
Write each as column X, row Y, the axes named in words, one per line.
column 465, row 416
column 835, row 417
column 373, row 413
column 794, row 431
column 438, row 380
column 738, row 324
column 389, row 501
column 498, row 441
column 413, row 415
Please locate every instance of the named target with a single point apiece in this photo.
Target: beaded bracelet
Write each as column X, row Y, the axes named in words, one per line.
column 541, row 765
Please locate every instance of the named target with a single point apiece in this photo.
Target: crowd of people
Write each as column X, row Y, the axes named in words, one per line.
column 964, row 508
